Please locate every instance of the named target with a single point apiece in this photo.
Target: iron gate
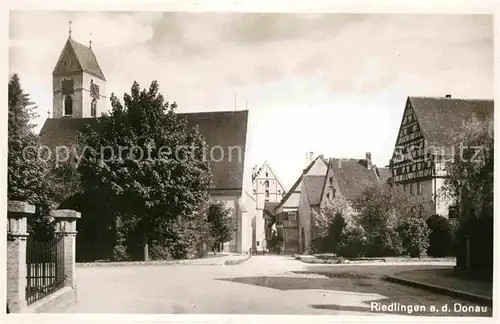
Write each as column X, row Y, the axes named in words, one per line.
column 45, row 267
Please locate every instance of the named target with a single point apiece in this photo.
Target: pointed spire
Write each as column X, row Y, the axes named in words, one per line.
column 90, row 41
column 69, row 36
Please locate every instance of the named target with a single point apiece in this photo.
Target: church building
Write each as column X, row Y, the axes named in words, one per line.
column 80, row 97
column 267, row 189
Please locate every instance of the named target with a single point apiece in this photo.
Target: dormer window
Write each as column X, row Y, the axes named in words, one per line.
column 68, row 106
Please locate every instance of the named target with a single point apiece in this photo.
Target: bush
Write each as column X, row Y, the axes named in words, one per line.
column 386, row 243
column 354, row 243
column 414, row 235
column 159, row 252
column 441, row 238
column 120, row 253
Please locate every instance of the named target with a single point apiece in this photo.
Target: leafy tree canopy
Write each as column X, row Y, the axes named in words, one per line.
column 28, row 169
column 142, row 162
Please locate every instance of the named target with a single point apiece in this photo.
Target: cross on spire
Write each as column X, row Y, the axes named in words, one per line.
column 70, row 29
column 90, row 41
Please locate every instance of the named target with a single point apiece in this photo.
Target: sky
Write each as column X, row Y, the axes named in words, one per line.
column 331, row 84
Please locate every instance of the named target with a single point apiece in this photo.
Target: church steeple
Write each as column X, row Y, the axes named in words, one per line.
column 78, row 82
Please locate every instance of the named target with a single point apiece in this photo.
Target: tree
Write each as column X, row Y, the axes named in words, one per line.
column 142, row 164
column 440, row 236
column 414, row 234
column 469, row 182
column 329, row 224
column 353, row 244
column 382, row 209
column 378, row 219
column 27, row 163
column 223, row 225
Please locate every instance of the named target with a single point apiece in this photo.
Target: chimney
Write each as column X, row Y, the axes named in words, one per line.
column 448, row 96
column 369, row 160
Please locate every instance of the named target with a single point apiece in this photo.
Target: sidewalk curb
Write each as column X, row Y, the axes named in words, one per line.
column 488, row 301
column 196, row 262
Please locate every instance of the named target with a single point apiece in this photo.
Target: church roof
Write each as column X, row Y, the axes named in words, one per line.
column 76, row 57
column 436, row 116
column 221, row 129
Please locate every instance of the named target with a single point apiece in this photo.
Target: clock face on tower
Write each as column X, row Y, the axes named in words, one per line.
column 94, row 90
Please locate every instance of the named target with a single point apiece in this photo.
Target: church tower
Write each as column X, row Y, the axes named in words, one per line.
column 78, row 83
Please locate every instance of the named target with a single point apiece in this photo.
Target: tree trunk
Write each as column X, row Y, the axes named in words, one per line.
column 145, row 245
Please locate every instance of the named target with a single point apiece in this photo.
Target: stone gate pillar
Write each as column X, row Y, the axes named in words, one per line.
column 17, row 234
column 65, row 225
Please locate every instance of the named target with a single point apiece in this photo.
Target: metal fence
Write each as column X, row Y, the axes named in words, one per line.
column 45, row 267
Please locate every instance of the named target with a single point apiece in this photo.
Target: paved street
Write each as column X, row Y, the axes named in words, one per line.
column 261, row 285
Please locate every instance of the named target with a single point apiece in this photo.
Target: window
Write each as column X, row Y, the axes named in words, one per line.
column 267, row 194
column 411, row 188
column 267, row 174
column 266, row 184
column 419, row 188
column 68, row 105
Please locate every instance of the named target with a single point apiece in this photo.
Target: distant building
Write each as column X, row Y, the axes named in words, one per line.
column 287, row 211
column 267, row 188
column 79, row 97
column 344, row 179
column 422, row 146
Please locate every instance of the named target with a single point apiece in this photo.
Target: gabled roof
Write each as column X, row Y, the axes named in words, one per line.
column 352, row 176
column 222, row 129
column 313, row 185
column 76, row 57
column 436, row 115
column 299, row 180
column 254, row 176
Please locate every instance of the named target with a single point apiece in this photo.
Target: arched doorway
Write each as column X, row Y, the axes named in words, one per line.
column 302, row 241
